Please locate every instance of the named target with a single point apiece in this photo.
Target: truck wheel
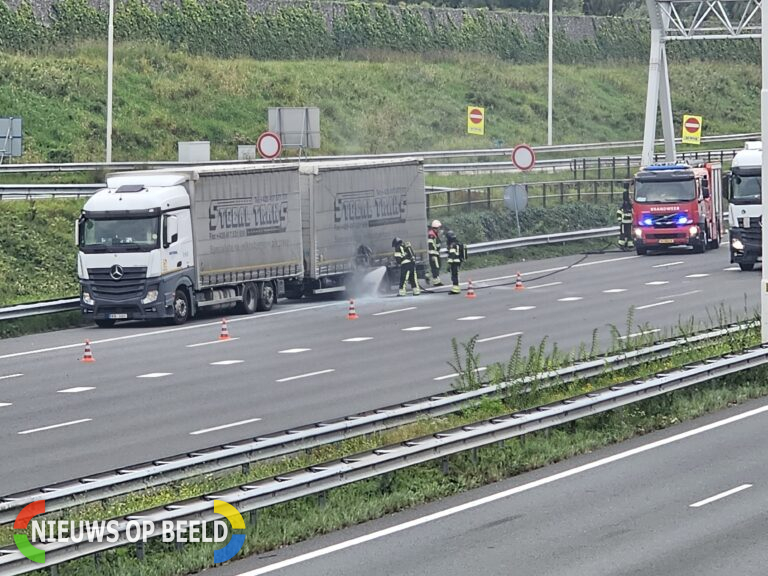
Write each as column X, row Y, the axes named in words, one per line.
column 267, row 297
column 180, row 307
column 641, row 251
column 746, row 266
column 294, row 290
column 250, row 300
column 700, row 246
column 105, row 323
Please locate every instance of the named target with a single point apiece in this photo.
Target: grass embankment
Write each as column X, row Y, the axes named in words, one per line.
column 382, row 102
column 301, row 519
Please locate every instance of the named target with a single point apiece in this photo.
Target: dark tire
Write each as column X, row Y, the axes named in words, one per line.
column 641, row 251
column 267, row 297
column 105, row 323
column 180, row 307
column 701, row 243
column 746, row 266
column 294, row 290
column 250, row 300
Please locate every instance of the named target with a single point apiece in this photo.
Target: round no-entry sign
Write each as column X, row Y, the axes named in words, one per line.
column 269, row 145
column 523, row 157
column 692, row 125
column 475, row 116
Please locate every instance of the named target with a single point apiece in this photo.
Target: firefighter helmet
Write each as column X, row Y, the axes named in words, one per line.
column 396, row 242
column 436, row 224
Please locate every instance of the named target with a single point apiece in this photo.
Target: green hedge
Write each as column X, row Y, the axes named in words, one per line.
column 225, row 28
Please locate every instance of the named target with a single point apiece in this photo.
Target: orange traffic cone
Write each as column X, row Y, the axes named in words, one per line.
column 352, row 315
column 87, row 355
column 519, row 282
column 224, row 334
column 470, row 290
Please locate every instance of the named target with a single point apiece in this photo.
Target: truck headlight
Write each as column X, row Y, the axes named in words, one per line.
column 87, row 300
column 638, row 233
column 150, row 297
column 737, row 244
column 693, row 230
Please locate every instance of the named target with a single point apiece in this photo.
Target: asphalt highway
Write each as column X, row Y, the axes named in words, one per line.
column 689, row 501
column 155, row 391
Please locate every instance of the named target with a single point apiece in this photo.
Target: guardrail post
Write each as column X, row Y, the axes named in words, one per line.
column 321, row 499
column 575, row 168
column 629, row 168
column 544, row 196
column 444, row 465
column 253, row 517
column 474, row 455
column 598, row 168
column 562, row 193
column 448, row 201
column 488, row 197
column 594, row 189
column 54, row 570
column 583, row 168
column 612, row 181
column 246, row 468
column 179, row 545
column 469, row 199
column 140, row 550
column 578, row 190
column 427, row 196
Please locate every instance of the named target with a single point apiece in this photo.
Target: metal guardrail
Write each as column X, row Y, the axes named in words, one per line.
column 217, row 459
column 468, row 153
column 68, row 304
column 334, row 474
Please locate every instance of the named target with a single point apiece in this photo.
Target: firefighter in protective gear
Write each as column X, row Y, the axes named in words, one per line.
column 454, row 260
column 407, row 260
column 433, row 244
column 624, row 216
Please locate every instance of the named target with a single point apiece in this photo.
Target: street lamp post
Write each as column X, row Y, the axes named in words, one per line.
column 549, row 86
column 110, row 42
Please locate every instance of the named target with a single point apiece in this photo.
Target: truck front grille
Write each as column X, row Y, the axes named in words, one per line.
column 131, row 285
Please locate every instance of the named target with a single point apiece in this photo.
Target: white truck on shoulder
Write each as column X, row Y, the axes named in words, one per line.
column 163, row 244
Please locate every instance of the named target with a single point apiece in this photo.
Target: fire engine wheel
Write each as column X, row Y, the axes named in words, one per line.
column 701, row 243
column 641, row 251
column 746, row 266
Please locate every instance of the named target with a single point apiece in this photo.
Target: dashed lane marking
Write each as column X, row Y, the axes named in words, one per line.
column 394, row 311
column 416, row 328
column 570, row 299
column 10, row 376
column 471, row 318
column 654, row 305
column 358, row 339
column 52, row 426
column 294, row 350
column 226, row 362
column 155, row 375
column 499, row 337
column 643, row 333
column 211, row 342
column 521, row 308
column 223, row 426
column 614, row 290
column 667, row 264
column 447, row 376
column 702, row 275
column 720, row 496
column 543, row 285
column 657, row 283
column 75, row 390
column 307, row 375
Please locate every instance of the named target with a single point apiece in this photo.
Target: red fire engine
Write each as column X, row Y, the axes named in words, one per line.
column 677, row 205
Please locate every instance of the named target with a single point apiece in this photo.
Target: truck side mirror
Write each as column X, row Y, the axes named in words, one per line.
column 171, row 231
column 705, row 189
column 77, row 232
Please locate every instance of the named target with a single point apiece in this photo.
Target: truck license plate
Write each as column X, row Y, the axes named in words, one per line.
column 118, row 316
column 667, row 241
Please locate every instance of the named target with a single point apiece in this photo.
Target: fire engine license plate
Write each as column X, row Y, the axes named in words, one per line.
column 118, row 316
column 667, row 241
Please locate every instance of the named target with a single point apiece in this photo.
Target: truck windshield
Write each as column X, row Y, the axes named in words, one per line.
column 661, row 191
column 119, row 234
column 746, row 189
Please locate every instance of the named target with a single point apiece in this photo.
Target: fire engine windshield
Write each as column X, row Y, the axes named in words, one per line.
column 119, row 235
column 746, row 189
column 664, row 191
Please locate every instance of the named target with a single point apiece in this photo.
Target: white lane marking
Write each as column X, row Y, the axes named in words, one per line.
column 223, row 426
column 499, row 337
column 226, row 362
column 720, row 496
column 732, row 269
column 654, row 305
column 10, row 376
column 702, row 275
column 678, row 295
column 657, row 283
column 394, row 311
column 306, row 375
column 72, row 423
column 358, row 339
column 497, row 496
column 570, row 299
column 416, row 328
column 167, row 331
column 471, row 318
column 667, row 264
column 155, row 375
column 614, row 290
column 294, row 350
column 211, row 342
column 643, row 333
column 543, row 285
column 75, row 390
column 478, row 370
column 5, row 404
column 520, row 308
column 559, row 268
